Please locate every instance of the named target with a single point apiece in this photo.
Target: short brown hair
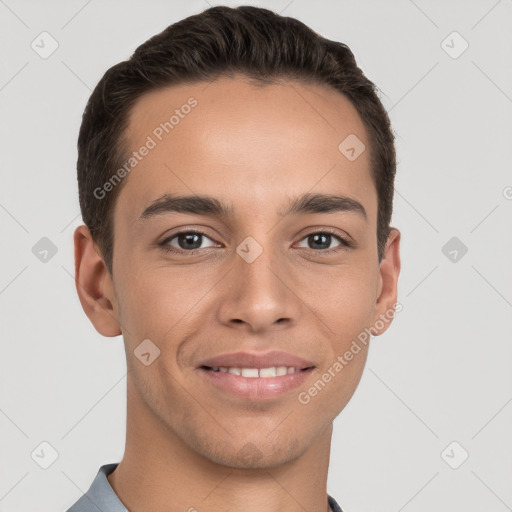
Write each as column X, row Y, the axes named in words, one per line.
column 221, row 41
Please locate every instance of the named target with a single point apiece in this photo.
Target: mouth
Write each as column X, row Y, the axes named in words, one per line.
column 256, row 377
column 253, row 373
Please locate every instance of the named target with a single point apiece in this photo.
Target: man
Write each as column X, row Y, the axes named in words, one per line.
column 236, row 184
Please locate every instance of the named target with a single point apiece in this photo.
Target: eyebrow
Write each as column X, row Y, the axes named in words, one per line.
column 210, row 206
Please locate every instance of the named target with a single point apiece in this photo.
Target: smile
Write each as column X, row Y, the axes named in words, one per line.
column 251, row 373
column 254, row 387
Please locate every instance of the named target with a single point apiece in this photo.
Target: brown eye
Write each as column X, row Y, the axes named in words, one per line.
column 184, row 241
column 323, row 240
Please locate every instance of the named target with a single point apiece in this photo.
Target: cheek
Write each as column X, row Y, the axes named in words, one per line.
column 165, row 306
column 145, row 306
column 343, row 301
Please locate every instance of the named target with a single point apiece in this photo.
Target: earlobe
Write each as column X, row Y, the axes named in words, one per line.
column 388, row 283
column 94, row 285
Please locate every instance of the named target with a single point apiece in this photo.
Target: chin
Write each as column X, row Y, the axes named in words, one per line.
column 250, row 452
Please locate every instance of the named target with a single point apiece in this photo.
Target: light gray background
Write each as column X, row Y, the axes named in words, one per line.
column 442, row 371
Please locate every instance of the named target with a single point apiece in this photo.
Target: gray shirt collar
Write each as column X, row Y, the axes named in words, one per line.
column 100, row 497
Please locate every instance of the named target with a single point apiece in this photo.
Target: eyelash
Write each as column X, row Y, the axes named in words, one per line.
column 345, row 244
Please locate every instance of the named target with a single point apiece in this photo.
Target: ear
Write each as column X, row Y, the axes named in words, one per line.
column 388, row 281
column 94, row 284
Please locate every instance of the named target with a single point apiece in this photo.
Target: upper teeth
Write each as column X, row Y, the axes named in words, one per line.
column 272, row 371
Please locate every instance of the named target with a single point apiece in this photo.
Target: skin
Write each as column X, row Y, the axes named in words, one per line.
column 188, row 444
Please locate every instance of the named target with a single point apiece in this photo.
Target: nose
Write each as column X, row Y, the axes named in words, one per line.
column 259, row 296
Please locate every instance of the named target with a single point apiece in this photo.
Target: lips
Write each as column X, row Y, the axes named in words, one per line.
column 254, row 360
column 256, row 377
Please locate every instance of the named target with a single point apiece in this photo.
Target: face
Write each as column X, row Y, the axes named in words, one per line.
column 223, row 295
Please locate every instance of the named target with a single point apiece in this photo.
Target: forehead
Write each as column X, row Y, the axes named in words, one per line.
column 249, row 145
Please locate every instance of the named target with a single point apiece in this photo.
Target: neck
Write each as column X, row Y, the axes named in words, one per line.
column 159, row 472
